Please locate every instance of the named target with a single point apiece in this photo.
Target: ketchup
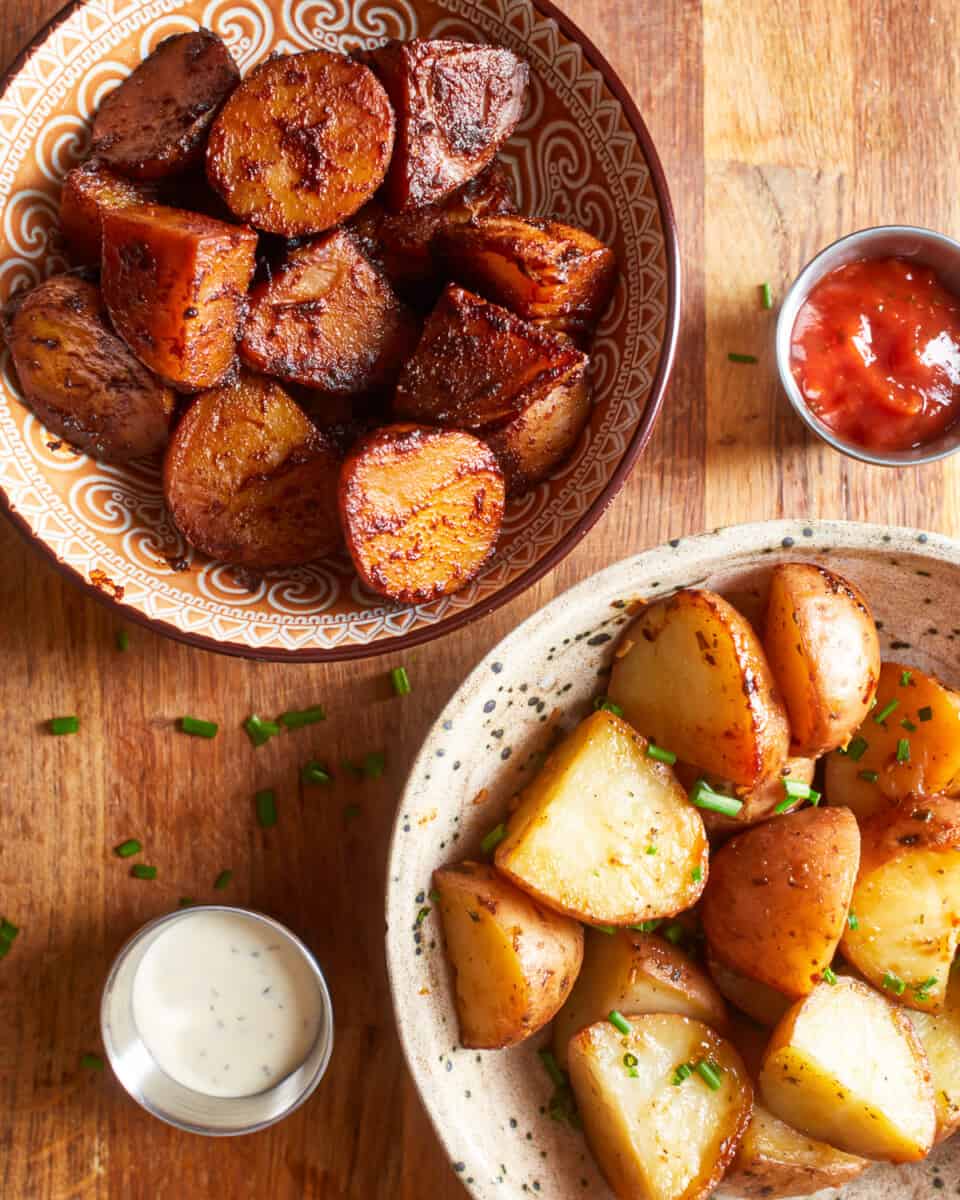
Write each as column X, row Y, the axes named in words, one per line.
column 875, row 351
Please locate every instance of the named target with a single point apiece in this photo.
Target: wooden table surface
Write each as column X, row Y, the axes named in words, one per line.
column 781, row 127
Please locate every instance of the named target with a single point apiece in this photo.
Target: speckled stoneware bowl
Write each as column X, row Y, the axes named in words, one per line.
column 581, row 152
column 488, row 1108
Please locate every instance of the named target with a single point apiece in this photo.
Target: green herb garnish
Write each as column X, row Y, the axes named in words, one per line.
column 881, row 716
column 62, row 725
column 260, row 731
column 696, row 874
column 315, row 773
column 619, row 1022
column 905, row 677
column 903, row 750
column 91, row 1062
column 657, row 752
column 222, row 881
column 710, row 1073
column 741, row 358
column 893, row 983
column 828, row 976
column 853, row 920
column 868, row 776
column 142, row 871
column 400, row 681
column 605, row 704
column 128, row 848
column 766, row 297
column 681, row 1074
column 298, row 718
column 703, row 796
column 857, row 748
column 493, row 839
column 198, row 728
column 266, row 804
column 123, row 640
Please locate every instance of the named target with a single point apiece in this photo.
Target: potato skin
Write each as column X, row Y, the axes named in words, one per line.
column 88, row 192
column 80, row 379
column 764, row 1004
column 155, row 123
column 759, row 803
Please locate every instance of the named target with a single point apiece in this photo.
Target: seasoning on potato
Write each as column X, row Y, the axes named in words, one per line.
column 939, row 1034
column 89, row 191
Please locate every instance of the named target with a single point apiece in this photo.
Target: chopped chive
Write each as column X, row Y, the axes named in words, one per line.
column 8, row 932
column 401, row 681
column 630, row 1060
column 142, row 871
column 493, row 838
column 61, row 725
column 853, row 920
column 198, row 728
column 619, row 1021
column 696, row 874
column 923, row 990
column 741, row 358
column 315, row 773
column 266, row 802
column 893, row 983
column 260, row 731
column 657, row 752
column 609, row 929
column 605, row 704
column 905, row 677
column 648, row 926
column 783, row 806
column 797, row 790
column 710, row 1074
column 814, row 797
column 351, row 812
column 298, row 718
column 91, row 1062
column 857, row 748
column 123, row 640
column 651, row 850
column 925, row 713
column 186, row 902
column 433, row 895
column 374, row 764
column 681, row 1074
column 885, row 712
column 903, row 750
column 128, row 848
column 675, row 932
column 828, row 976
column 703, row 796
column 766, row 297
column 908, row 725
column 868, row 776
column 222, row 881
column 557, row 1077
column 422, row 916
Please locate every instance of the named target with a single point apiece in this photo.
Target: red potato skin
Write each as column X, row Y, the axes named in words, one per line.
column 89, row 192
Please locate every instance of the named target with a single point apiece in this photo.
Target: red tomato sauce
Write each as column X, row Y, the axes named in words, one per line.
column 875, row 351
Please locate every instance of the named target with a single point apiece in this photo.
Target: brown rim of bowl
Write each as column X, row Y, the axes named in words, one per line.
column 567, row 543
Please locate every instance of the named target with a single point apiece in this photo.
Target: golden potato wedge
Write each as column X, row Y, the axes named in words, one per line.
column 759, row 803
column 758, row 1000
column 80, row 379
column 824, row 652
column 777, row 900
column 637, row 973
column 604, row 832
column 655, row 1139
column 939, row 1034
column 456, row 103
column 88, row 192
column 249, row 480
column 869, row 777
column 695, row 679
column 421, row 510
column 155, row 123
column 845, row 1065
column 513, row 961
column 302, row 143
column 906, row 901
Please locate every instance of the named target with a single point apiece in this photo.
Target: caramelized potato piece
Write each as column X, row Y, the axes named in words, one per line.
column 250, row 480
column 88, row 192
column 329, row 321
column 939, row 1034
column 758, row 1000
column 175, row 284
column 421, row 509
column 155, row 123
column 543, row 270
column 456, row 103
column 759, row 803
column 302, row 144
column 79, row 377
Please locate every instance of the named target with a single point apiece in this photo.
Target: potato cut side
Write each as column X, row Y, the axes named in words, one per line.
column 758, row 803
column 939, row 1034
column 695, row 679
column 637, row 973
column 845, row 1066
column 907, row 901
column 88, row 192
column 758, row 1000
column 777, row 901
column 514, row 962
column 653, row 1139
column 604, row 832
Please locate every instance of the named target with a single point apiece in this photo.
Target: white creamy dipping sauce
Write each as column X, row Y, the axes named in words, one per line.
column 225, row 1005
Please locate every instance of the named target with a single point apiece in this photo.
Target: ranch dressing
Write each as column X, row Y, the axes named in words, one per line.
column 225, row 1006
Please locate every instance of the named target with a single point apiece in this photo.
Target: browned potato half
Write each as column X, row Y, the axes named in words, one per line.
column 653, row 1139
column 869, row 777
column 249, row 480
column 329, row 321
column 758, row 1000
column 845, row 1066
column 514, row 962
column 302, row 143
column 636, row 973
column 88, row 192
column 694, row 678
column 175, row 284
column 543, row 270
column 155, row 123
column 80, row 379
column 907, row 901
column 456, row 102
column 604, row 832
column 939, row 1033
column 777, row 900
column 823, row 649
column 421, row 509
column 759, row 803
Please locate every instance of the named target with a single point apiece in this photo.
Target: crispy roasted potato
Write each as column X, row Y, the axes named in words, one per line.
column 88, row 192
column 155, row 123
column 824, row 652
column 302, row 143
column 513, row 961
column 845, row 1065
column 778, row 896
column 421, row 509
column 695, row 679
column 637, row 973
column 869, row 777
column 939, row 1034
column 175, row 284
column 456, row 103
column 328, row 320
column 907, row 901
column 759, row 803
column 604, row 832
column 249, row 480
column 654, row 1139
column 758, row 1000
column 80, row 379
column 543, row 270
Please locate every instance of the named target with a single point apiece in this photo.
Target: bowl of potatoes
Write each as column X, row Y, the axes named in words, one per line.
column 674, row 889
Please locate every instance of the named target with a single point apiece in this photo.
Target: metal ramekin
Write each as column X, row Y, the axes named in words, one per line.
column 884, row 241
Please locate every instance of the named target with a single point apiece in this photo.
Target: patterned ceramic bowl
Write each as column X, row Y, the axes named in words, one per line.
column 489, row 1108
column 582, row 153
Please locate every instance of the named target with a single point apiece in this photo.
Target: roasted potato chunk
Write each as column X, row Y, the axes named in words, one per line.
column 844, row 1065
column 155, row 123
column 654, row 1139
column 513, row 961
column 88, row 192
column 421, row 509
column 639, row 850
column 694, row 678
column 824, row 652
column 758, row 803
column 939, row 1034
column 758, row 1000
column 79, row 378
column 329, row 321
column 249, row 480
column 456, row 103
column 302, row 143
column 175, row 284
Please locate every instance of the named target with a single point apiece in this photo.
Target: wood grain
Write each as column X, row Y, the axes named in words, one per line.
column 780, row 128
